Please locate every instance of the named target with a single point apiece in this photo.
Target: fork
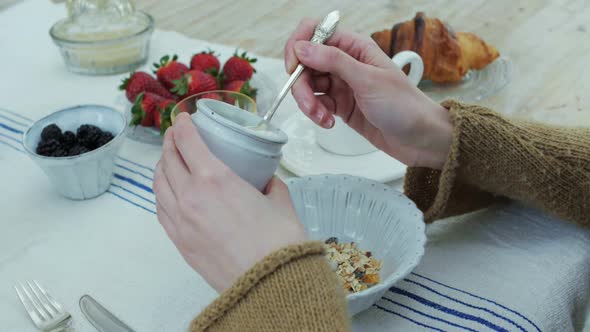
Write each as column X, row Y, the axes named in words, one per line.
column 46, row 313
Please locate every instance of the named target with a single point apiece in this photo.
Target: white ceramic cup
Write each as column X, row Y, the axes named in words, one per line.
column 227, row 130
column 343, row 140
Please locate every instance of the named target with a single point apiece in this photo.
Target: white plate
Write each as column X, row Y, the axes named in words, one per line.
column 303, row 156
column 377, row 217
column 475, row 86
column 266, row 92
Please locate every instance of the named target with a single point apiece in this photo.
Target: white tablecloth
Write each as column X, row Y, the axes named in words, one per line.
column 508, row 269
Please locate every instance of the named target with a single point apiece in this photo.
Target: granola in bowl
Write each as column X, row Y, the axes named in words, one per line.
column 356, row 269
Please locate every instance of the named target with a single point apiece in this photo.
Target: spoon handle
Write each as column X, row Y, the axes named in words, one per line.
column 323, row 32
column 283, row 93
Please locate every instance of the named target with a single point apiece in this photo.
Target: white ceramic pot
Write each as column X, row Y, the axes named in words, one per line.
column 87, row 175
column 252, row 154
column 343, row 140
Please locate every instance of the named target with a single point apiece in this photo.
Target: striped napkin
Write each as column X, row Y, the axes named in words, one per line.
column 506, row 269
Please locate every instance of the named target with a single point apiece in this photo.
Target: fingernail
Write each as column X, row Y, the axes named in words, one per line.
column 303, row 49
column 289, row 63
column 330, row 122
column 318, row 117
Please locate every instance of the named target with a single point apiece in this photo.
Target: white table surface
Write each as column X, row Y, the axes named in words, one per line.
column 500, row 268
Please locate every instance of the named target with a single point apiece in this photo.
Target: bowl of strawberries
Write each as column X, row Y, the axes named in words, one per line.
column 151, row 97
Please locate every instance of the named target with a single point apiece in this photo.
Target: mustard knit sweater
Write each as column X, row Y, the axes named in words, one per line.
column 491, row 159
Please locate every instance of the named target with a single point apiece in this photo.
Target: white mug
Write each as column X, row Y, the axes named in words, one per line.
column 343, row 140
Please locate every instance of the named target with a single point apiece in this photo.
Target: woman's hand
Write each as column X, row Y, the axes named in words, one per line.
column 351, row 77
column 220, row 224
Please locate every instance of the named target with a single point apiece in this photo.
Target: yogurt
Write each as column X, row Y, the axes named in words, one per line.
column 248, row 122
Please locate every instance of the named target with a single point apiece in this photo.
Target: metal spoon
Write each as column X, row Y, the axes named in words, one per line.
column 322, row 33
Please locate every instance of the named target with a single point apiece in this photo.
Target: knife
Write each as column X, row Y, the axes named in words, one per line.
column 100, row 317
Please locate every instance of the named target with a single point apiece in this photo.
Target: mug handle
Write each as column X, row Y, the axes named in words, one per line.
column 416, row 65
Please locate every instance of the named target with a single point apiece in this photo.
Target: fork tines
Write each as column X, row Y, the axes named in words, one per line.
column 41, row 307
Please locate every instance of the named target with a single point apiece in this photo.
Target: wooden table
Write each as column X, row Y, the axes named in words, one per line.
column 548, row 40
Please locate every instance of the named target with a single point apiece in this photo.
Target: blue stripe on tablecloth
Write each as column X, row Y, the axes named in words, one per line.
column 429, row 316
column 149, row 178
column 8, row 139
column 133, row 193
column 407, row 318
column 447, row 310
column 22, row 117
column 11, row 129
column 14, row 139
column 13, row 121
column 137, row 164
column 11, row 146
column 466, row 304
column 130, row 201
column 479, row 298
column 134, row 183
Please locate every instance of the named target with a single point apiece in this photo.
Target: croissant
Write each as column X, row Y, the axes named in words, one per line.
column 447, row 55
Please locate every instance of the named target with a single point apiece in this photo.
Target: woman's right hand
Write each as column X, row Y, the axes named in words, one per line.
column 352, row 78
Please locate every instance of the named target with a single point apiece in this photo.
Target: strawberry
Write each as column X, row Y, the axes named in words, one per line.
column 139, row 82
column 241, row 87
column 162, row 118
column 212, row 95
column 142, row 112
column 169, row 70
column 193, row 82
column 238, row 68
column 206, row 61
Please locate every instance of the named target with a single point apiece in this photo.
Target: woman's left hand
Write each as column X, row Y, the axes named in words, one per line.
column 220, row 224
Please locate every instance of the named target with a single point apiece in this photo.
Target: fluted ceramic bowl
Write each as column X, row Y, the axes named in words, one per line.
column 89, row 174
column 377, row 217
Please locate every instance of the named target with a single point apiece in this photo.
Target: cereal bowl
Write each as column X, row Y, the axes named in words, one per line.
column 375, row 216
column 86, row 175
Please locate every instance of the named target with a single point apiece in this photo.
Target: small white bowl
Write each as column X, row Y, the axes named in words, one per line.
column 119, row 48
column 378, row 218
column 89, row 174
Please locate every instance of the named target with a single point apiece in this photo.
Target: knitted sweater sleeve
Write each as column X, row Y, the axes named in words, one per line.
column 292, row 289
column 494, row 158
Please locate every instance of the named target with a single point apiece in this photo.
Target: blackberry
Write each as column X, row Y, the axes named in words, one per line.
column 60, row 152
column 77, row 150
column 88, row 135
column 332, row 240
column 104, row 139
column 48, row 147
column 51, row 131
column 68, row 139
